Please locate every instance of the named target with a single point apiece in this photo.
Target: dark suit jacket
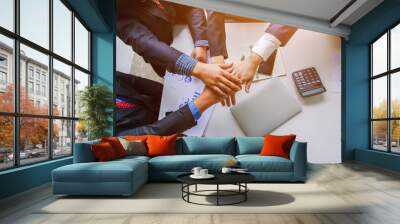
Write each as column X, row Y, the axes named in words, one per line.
column 149, row 30
column 143, row 118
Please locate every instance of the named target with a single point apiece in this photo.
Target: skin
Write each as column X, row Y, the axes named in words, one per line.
column 218, row 77
column 207, row 99
column 200, row 54
column 247, row 69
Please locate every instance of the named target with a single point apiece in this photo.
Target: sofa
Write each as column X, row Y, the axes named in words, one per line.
column 126, row 175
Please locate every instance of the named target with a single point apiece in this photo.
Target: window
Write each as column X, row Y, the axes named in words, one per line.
column 40, row 129
column 30, row 87
column 385, row 91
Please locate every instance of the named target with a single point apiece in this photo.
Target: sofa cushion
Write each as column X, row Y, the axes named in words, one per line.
column 113, row 171
column 103, row 152
column 161, row 145
column 257, row 163
column 185, row 163
column 206, row 145
column 249, row 145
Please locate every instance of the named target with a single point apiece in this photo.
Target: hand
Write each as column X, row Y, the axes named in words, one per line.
column 218, row 78
column 246, row 69
column 230, row 100
column 207, row 98
column 200, row 54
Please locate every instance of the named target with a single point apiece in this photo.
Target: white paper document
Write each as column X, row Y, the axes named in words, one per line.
column 177, row 92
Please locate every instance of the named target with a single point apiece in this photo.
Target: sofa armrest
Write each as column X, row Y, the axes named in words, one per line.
column 83, row 152
column 298, row 155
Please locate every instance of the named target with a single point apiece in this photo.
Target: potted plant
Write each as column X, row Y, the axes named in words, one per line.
column 96, row 103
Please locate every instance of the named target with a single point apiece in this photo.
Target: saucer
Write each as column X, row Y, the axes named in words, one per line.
column 208, row 176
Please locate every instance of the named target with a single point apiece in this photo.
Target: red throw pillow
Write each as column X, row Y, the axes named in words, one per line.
column 277, row 145
column 135, row 138
column 103, row 151
column 161, row 145
column 116, row 145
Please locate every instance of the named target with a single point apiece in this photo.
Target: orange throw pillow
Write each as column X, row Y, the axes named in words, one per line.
column 161, row 145
column 103, row 151
column 135, row 138
column 277, row 145
column 116, row 145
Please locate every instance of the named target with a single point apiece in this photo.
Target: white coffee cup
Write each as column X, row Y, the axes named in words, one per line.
column 203, row 172
column 196, row 171
column 226, row 170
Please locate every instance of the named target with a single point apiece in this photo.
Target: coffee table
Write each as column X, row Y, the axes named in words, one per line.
column 238, row 179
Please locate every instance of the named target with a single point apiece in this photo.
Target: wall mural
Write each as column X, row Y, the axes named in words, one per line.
column 180, row 69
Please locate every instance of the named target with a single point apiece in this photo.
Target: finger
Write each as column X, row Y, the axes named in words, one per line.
column 225, row 66
column 193, row 54
column 233, row 99
column 223, row 102
column 230, row 70
column 228, row 101
column 218, row 91
column 227, row 91
column 233, row 82
column 247, row 87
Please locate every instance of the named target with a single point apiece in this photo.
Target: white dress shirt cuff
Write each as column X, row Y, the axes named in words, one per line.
column 266, row 45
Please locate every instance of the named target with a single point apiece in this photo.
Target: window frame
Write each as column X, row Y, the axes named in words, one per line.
column 16, row 114
column 388, row 74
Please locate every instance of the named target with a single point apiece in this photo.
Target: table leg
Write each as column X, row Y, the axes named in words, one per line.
column 245, row 193
column 217, row 194
column 195, row 188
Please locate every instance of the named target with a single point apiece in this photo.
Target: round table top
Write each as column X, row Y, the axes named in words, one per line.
column 220, row 178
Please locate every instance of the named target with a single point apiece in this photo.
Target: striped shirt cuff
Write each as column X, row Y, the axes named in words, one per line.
column 184, row 65
column 201, row 43
column 195, row 111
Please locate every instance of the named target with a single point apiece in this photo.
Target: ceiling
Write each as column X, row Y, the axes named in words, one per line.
column 326, row 16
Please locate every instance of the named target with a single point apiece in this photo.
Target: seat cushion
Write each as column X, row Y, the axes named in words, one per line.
column 185, row 163
column 112, row 171
column 257, row 163
column 206, row 145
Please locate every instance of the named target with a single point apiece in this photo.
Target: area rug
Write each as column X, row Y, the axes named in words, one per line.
column 166, row 198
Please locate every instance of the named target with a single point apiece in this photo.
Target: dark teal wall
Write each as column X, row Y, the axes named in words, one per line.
column 99, row 16
column 103, row 50
column 24, row 178
column 355, row 80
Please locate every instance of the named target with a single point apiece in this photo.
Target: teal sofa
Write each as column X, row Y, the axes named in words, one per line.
column 125, row 176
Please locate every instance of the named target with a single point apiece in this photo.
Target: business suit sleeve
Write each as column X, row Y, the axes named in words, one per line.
column 216, row 34
column 281, row 32
column 197, row 24
column 175, row 122
column 132, row 32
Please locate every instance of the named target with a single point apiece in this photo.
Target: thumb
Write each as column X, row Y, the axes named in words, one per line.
column 247, row 87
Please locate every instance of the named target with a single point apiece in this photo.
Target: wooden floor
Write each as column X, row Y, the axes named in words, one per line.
column 379, row 189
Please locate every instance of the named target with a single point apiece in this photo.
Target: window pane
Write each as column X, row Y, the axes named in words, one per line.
column 34, row 97
column 395, row 136
column 379, row 55
column 81, row 45
column 6, row 142
column 62, row 89
column 379, row 135
column 7, row 14
column 62, row 29
column 35, row 21
column 6, row 74
column 81, row 131
column 62, row 138
column 33, row 140
column 379, row 97
column 395, row 94
column 395, row 47
column 81, row 81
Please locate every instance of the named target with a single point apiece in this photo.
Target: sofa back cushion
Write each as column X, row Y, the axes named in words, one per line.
column 206, row 145
column 83, row 152
column 249, row 145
